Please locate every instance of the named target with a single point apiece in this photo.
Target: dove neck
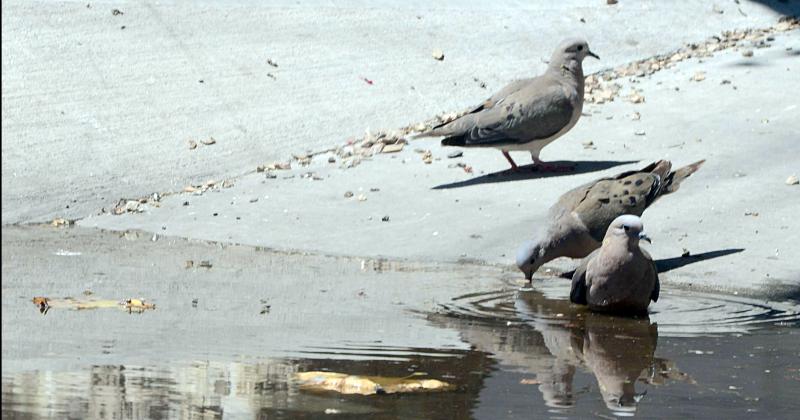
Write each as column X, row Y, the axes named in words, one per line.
column 568, row 66
column 564, row 240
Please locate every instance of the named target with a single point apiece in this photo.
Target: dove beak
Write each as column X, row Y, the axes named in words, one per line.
column 643, row 237
column 593, row 54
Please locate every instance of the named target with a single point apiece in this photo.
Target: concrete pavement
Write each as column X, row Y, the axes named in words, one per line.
column 98, row 106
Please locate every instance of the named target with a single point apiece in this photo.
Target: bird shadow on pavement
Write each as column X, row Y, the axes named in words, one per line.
column 667, row 264
column 529, row 172
column 782, row 7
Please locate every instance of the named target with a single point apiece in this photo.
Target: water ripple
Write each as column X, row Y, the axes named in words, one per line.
column 677, row 313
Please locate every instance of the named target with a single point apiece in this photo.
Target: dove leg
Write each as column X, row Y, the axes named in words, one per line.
column 511, row 161
column 550, row 167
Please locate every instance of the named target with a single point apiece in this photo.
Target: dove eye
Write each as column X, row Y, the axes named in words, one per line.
column 626, row 227
column 580, row 47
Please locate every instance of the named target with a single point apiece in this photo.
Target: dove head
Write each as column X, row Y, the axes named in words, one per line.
column 571, row 49
column 629, row 227
column 530, row 256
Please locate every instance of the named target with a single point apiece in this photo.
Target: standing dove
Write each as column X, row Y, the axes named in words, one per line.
column 527, row 114
column 577, row 222
column 619, row 277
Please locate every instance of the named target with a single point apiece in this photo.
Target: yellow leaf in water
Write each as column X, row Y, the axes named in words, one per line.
column 59, row 221
column 368, row 385
column 138, row 305
column 131, row 305
column 94, row 304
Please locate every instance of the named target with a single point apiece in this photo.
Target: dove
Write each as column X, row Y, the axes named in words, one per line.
column 527, row 114
column 577, row 222
column 620, row 277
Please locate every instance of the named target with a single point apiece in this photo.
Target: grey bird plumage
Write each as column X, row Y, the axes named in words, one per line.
column 620, row 277
column 527, row 114
column 576, row 224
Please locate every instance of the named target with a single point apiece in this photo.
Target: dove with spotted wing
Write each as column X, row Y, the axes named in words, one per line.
column 578, row 221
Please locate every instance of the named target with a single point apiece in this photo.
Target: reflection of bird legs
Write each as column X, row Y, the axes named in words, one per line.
column 663, row 370
column 556, row 384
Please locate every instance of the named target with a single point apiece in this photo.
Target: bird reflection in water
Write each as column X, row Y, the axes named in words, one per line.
column 554, row 340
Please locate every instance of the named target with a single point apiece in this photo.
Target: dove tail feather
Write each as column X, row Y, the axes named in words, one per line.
column 437, row 131
column 675, row 178
column 661, row 170
column 653, row 167
column 454, row 141
column 430, row 133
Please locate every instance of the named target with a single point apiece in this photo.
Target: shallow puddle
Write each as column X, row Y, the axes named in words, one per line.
column 231, row 340
column 678, row 313
column 695, row 355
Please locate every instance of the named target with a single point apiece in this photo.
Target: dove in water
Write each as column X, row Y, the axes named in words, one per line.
column 620, row 277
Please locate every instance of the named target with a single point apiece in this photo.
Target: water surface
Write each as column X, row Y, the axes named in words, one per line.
column 227, row 341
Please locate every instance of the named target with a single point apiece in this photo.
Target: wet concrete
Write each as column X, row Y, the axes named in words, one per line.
column 227, row 340
column 313, row 300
